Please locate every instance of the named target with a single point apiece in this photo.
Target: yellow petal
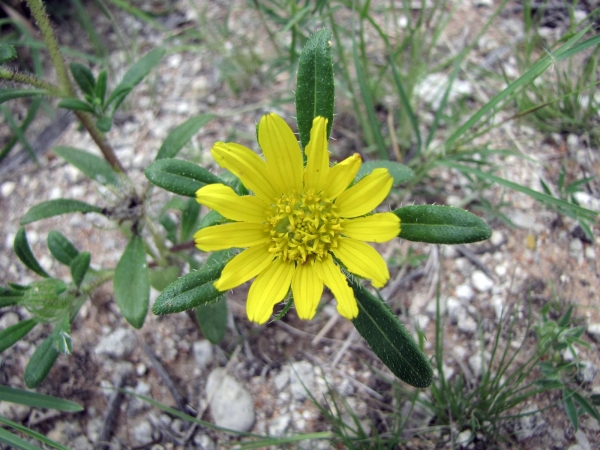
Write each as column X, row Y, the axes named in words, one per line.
column 245, row 266
column 281, row 149
column 269, row 288
column 365, row 195
column 341, row 175
column 317, row 156
column 336, row 281
column 376, row 228
column 363, row 260
column 307, row 288
column 226, row 202
column 238, row 234
column 248, row 167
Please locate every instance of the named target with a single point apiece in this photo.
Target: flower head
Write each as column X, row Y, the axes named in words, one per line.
column 299, row 219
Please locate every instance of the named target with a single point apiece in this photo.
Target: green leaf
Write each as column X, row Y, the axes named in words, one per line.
column 61, row 248
column 62, row 336
column 389, row 339
column 75, row 104
column 84, row 78
column 570, row 409
column 57, row 207
column 212, row 218
column 31, row 433
column 10, row 94
column 35, row 400
column 212, row 318
column 79, row 267
column 136, row 73
column 91, row 165
column 101, row 86
column 399, row 172
column 23, row 251
column 315, row 88
column 13, row 334
column 181, row 135
column 161, row 277
column 191, row 290
column 132, row 283
column 7, row 53
column 13, row 441
column 189, row 219
column 586, row 405
column 104, row 124
column 40, row 363
column 180, row 177
column 441, row 225
column 10, row 296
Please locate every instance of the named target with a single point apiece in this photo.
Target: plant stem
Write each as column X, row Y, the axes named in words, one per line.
column 31, row 80
column 100, row 140
column 38, row 11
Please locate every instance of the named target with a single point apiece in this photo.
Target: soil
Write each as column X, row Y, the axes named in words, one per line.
column 543, row 258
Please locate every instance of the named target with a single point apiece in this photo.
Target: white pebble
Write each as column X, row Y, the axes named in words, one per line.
column 481, row 281
column 7, row 188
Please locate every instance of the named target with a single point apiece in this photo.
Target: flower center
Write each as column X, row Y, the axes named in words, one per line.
column 304, row 226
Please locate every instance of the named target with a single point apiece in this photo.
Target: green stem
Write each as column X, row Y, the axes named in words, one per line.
column 38, row 11
column 100, row 140
column 31, row 80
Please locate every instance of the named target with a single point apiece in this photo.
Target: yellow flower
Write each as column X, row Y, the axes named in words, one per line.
column 298, row 219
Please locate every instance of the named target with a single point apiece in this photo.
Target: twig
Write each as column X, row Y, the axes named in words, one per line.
column 112, row 410
column 474, row 260
column 179, row 399
column 328, row 326
column 345, row 346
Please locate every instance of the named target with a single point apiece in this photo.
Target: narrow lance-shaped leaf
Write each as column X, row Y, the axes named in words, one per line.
column 91, row 165
column 40, row 363
column 132, row 283
column 399, row 172
column 190, row 216
column 62, row 336
column 181, row 135
column 24, row 253
column 315, row 86
column 191, row 290
column 79, row 267
column 10, row 94
column 84, row 78
column 61, row 248
column 441, row 225
column 14, row 441
column 10, row 296
column 180, row 177
column 13, row 334
column 389, row 339
column 75, row 104
column 29, row 433
column 57, row 207
column 136, row 73
column 35, row 400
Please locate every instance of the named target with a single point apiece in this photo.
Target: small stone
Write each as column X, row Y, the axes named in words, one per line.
column 14, row 411
column 7, row 188
column 118, row 344
column 587, row 201
column 498, row 305
column 573, row 142
column 142, row 433
column 203, row 353
column 481, row 281
column 464, row 438
column 467, row 324
column 590, row 253
column 81, row 443
column 455, row 309
column 301, row 379
column 587, row 372
column 464, row 292
column 568, row 355
column 231, row 405
column 575, row 248
column 65, row 432
column 583, row 440
column 421, row 321
column 281, row 379
column 476, row 362
column 530, row 424
column 203, row 442
column 593, row 329
column 136, row 404
column 482, row 4
column 8, row 320
column 93, row 428
column 497, row 238
column 278, row 425
column 523, row 220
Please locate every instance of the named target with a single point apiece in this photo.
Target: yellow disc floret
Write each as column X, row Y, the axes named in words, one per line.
column 303, row 226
